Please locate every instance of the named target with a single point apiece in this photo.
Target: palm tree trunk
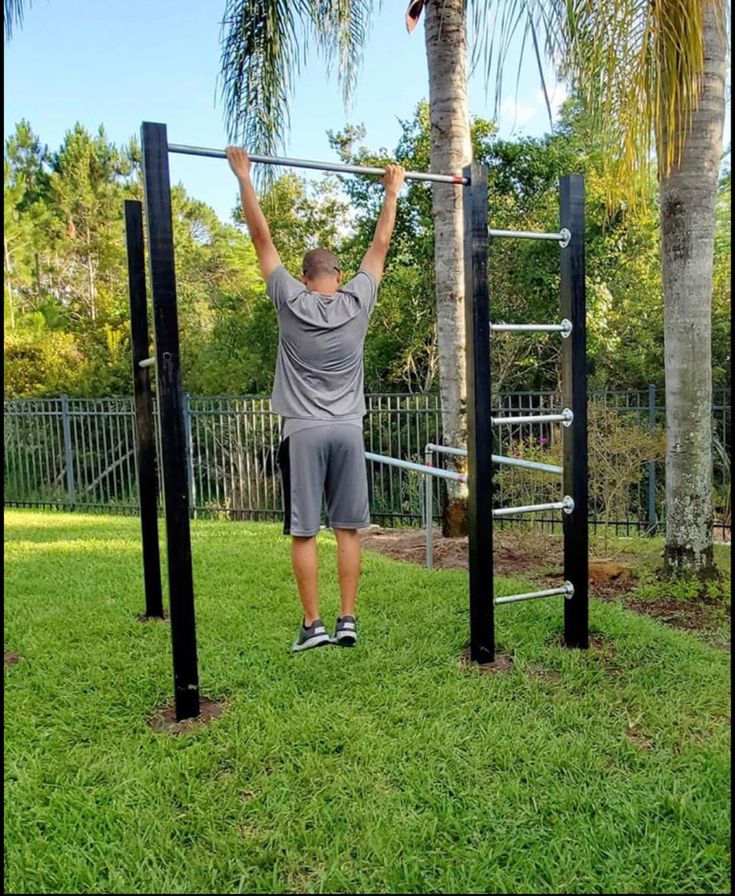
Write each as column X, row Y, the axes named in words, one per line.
column 688, row 194
column 446, row 51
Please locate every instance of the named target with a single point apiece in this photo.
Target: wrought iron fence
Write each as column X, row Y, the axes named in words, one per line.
column 80, row 453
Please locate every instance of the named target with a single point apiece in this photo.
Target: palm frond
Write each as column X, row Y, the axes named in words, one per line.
column 260, row 57
column 636, row 64
column 265, row 44
column 14, row 10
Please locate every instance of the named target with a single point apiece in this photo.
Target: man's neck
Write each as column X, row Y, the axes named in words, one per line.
column 323, row 287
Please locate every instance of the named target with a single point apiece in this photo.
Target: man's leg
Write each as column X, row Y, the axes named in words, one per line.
column 348, row 569
column 305, row 567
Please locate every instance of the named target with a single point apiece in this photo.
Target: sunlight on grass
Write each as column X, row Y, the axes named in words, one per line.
column 393, row 767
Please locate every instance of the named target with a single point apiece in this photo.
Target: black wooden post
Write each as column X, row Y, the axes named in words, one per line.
column 145, row 436
column 479, row 426
column 574, row 361
column 171, row 418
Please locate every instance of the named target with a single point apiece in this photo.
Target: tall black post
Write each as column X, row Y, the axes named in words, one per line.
column 574, row 361
column 479, row 426
column 171, row 414
column 145, row 437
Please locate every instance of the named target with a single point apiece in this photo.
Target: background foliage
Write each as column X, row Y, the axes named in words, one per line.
column 66, row 303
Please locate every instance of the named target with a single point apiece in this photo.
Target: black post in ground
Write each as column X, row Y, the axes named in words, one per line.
column 145, row 436
column 479, row 425
column 171, row 418
column 574, row 361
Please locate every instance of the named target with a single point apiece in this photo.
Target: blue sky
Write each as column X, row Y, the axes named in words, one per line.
column 116, row 64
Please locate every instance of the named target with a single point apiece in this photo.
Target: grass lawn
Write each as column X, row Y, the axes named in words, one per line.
column 392, row 768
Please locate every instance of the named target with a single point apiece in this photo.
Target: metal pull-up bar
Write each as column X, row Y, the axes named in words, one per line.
column 319, row 166
column 562, row 237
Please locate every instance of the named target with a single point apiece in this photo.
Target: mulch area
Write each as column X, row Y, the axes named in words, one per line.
column 538, row 556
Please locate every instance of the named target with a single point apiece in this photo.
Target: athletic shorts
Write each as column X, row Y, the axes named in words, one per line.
column 329, row 461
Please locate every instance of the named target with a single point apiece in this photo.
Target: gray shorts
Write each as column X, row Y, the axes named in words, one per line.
column 324, row 460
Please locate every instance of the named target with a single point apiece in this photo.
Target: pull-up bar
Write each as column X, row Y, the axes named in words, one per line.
column 319, row 166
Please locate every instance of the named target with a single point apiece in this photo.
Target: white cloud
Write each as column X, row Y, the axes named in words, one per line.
column 517, row 113
column 557, row 94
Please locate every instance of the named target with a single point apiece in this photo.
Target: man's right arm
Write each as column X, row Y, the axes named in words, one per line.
column 257, row 225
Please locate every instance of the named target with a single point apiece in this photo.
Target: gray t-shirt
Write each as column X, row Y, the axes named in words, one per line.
column 319, row 370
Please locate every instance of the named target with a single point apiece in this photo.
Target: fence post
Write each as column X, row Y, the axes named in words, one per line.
column 652, row 515
column 68, row 453
column 479, row 426
column 189, row 455
column 429, row 509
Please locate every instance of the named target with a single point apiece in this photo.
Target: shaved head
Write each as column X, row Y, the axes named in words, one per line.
column 320, row 263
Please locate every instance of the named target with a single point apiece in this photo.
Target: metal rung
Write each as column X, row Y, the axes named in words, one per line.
column 567, row 505
column 416, row 468
column 147, row 362
column 500, row 459
column 567, row 590
column 526, row 464
column 566, row 417
column 446, row 449
column 563, row 237
column 565, row 328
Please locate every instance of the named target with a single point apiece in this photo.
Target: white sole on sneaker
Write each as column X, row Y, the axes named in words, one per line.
column 315, row 641
column 345, row 639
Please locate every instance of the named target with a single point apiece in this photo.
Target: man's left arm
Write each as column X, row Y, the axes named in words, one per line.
column 374, row 260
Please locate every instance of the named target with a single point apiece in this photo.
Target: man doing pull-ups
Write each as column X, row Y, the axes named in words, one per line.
column 318, row 391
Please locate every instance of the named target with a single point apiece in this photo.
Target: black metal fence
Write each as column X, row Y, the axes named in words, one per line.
column 73, row 453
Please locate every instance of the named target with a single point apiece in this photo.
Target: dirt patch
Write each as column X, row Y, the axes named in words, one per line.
column 164, row 719
column 514, row 553
column 700, row 615
column 596, row 642
column 503, row 662
column 538, row 557
column 638, row 737
column 141, row 617
column 12, row 658
column 545, row 674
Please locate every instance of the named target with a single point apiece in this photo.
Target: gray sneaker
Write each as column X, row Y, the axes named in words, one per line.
column 345, row 632
column 313, row 636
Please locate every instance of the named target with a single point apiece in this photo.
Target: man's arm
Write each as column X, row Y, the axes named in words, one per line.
column 374, row 260
column 254, row 217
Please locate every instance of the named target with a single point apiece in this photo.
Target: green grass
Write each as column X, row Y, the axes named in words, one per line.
column 392, row 768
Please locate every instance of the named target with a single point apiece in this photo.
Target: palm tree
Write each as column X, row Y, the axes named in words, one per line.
column 653, row 75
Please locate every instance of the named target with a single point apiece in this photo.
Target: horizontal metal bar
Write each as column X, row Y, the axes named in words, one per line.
column 147, row 362
column 565, row 328
column 416, row 468
column 567, row 505
column 566, row 417
column 446, row 449
column 526, row 464
column 319, row 166
column 567, row 589
column 563, row 237
column 502, row 459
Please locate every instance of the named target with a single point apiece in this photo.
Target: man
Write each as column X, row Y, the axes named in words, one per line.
column 318, row 390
